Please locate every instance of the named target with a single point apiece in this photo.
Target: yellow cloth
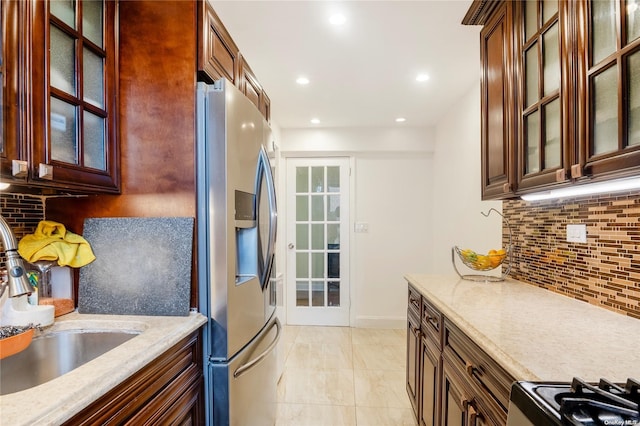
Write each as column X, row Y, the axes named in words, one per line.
column 51, row 241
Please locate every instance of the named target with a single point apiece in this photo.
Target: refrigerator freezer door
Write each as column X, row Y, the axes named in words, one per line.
column 244, row 389
column 230, row 173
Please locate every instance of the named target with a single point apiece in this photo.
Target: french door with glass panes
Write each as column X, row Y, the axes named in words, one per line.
column 318, row 241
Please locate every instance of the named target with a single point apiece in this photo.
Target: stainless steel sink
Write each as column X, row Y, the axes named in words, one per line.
column 54, row 354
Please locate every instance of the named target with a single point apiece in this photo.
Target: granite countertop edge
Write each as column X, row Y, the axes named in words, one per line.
column 56, row 401
column 536, row 334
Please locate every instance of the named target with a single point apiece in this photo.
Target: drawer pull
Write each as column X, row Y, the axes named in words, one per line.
column 470, row 368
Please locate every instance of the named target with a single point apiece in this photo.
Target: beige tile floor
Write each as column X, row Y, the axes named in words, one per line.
column 343, row 376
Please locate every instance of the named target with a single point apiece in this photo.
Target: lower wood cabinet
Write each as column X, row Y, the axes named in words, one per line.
column 450, row 380
column 167, row 391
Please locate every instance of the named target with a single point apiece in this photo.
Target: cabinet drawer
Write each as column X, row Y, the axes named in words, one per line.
column 481, row 369
column 432, row 322
column 414, row 303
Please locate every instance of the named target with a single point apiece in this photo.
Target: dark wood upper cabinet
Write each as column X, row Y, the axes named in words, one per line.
column 61, row 95
column 498, row 171
column 218, row 55
column 560, row 93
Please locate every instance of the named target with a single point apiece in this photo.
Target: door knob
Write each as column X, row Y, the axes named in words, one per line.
column 291, row 246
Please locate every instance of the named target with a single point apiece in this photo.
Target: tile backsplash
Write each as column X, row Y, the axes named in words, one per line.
column 605, row 271
column 22, row 213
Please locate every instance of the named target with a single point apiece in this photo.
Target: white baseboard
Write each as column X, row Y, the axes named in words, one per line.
column 380, row 322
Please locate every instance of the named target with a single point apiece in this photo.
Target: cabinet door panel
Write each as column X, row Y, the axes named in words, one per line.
column 543, row 138
column 495, row 50
column 607, row 71
column 430, row 383
column 413, row 361
column 72, row 115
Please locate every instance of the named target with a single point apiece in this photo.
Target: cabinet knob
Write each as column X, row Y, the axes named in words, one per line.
column 561, row 175
column 576, row 171
column 45, row 171
column 19, row 168
column 469, row 367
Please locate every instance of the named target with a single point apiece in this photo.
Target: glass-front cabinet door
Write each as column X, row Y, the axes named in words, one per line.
column 543, row 142
column 78, row 140
column 609, row 87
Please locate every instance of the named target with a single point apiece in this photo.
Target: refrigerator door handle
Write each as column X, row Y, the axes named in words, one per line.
column 255, row 361
column 264, row 171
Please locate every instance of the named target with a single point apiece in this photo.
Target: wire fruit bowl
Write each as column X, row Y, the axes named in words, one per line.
column 481, row 262
column 484, row 262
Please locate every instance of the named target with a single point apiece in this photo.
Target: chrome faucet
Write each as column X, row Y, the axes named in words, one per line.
column 18, row 283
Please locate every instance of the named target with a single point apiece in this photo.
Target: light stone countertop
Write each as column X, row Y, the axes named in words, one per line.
column 535, row 334
column 56, row 401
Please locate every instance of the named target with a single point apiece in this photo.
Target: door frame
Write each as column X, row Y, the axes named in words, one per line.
column 283, row 215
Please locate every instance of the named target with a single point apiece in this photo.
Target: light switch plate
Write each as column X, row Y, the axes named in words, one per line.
column 361, row 227
column 577, row 233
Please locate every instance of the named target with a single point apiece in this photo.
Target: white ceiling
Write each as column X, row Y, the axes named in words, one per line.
column 362, row 74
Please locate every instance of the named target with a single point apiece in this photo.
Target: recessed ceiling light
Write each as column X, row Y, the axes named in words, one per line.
column 400, row 120
column 315, row 121
column 302, row 81
column 337, row 19
column 422, row 77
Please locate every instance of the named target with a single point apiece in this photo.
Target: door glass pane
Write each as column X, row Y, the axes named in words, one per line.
column 530, row 19
column 633, row 20
column 551, row 60
column 333, row 179
column 302, row 265
column 302, row 293
column 333, row 293
column 605, row 126
column 65, row 10
column 62, row 61
column 92, row 20
column 317, row 293
column 64, row 142
column 302, row 207
column 94, row 142
column 317, row 236
column 549, row 9
column 317, row 265
column 532, row 136
column 333, row 208
column 333, row 236
column 317, row 207
column 531, row 68
column 302, row 236
column 93, row 78
column 333, row 265
column 317, row 179
column 603, row 21
column 302, row 179
column 633, row 77
column 552, row 151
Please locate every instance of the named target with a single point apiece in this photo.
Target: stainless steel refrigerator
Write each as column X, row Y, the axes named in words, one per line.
column 236, row 225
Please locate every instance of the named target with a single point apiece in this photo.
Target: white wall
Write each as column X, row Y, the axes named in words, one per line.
column 457, row 204
column 392, row 195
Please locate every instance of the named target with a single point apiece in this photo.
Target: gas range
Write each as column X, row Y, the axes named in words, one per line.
column 576, row 403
